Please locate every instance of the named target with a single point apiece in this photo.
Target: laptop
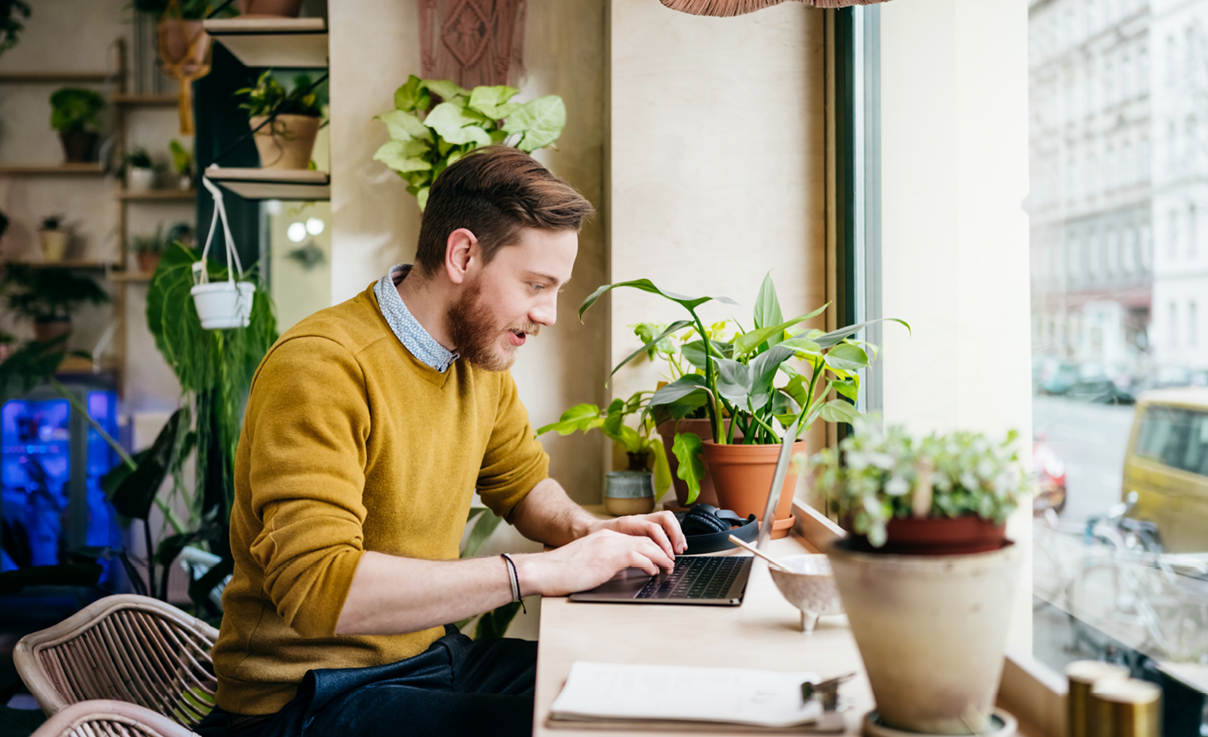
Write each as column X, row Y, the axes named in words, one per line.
column 699, row 580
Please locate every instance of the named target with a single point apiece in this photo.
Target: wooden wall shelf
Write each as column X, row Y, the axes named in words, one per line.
column 130, row 276
column 65, row 264
column 298, row 43
column 54, row 77
column 273, row 184
column 146, row 100
column 51, row 169
column 158, row 195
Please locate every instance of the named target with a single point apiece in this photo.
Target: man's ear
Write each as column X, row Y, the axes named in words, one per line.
column 461, row 253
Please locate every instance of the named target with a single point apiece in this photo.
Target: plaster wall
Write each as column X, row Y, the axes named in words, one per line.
column 954, row 172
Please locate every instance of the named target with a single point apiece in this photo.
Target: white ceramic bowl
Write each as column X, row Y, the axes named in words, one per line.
column 810, row 587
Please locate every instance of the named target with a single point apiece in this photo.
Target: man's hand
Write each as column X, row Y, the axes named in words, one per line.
column 661, row 527
column 589, row 562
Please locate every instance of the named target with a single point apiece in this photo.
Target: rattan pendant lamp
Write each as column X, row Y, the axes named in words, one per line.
column 727, row 8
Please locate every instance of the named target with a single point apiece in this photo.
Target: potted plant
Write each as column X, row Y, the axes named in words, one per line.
column 148, row 248
column 182, row 162
column 53, row 238
column 927, row 519
column 228, row 301
column 635, row 490
column 139, row 170
column 454, row 122
column 286, row 121
column 751, row 381
column 48, row 297
column 11, row 13
column 75, row 114
column 674, row 351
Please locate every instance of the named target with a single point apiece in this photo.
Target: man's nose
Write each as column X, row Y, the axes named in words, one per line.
column 546, row 312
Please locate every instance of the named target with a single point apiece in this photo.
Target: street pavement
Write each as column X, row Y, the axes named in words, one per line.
column 1091, row 439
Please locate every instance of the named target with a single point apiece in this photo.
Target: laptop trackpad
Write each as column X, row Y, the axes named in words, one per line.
column 626, row 582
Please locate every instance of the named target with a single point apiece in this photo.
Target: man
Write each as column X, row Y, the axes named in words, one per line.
column 368, row 428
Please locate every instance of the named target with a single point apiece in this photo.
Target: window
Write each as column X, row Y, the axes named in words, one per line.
column 1143, row 69
column 1111, row 174
column 1172, row 236
column 1174, row 324
column 1172, row 156
column 1192, row 324
column 1125, row 77
column 1143, row 163
column 1192, row 230
column 1109, row 96
column 1111, row 255
column 1130, row 166
column 1175, row 437
column 1172, row 59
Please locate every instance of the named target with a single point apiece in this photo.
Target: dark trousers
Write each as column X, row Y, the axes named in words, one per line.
column 455, row 687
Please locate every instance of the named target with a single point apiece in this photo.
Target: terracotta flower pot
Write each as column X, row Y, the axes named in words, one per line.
column 287, row 142
column 54, row 244
column 742, row 475
column 79, row 147
column 931, row 631
column 147, row 262
column 934, row 536
column 667, row 430
column 45, row 330
column 270, row 8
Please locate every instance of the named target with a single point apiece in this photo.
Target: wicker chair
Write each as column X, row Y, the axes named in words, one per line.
column 109, row 719
column 125, row 648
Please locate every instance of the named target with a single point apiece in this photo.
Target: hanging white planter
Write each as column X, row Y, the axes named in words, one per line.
column 225, row 304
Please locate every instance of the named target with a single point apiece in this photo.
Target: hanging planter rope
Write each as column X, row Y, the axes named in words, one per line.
column 184, row 48
column 728, row 8
column 225, row 304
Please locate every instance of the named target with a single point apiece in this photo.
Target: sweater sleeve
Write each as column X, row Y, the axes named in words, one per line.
column 514, row 461
column 309, row 422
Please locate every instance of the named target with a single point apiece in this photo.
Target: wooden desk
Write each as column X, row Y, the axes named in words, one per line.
column 765, row 632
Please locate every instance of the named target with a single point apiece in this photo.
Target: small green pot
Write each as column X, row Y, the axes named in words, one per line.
column 629, row 492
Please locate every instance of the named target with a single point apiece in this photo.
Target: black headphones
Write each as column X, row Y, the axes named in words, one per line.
column 703, row 519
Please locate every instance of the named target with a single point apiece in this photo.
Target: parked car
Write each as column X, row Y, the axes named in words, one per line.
column 1167, row 465
column 1049, row 471
column 1088, row 382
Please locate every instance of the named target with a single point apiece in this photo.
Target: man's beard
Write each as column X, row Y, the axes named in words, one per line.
column 477, row 336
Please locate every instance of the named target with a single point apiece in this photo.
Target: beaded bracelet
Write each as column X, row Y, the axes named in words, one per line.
column 514, row 578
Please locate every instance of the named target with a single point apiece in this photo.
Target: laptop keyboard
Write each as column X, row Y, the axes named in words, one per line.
column 695, row 578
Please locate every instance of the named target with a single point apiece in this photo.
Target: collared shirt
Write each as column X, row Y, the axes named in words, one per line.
column 406, row 328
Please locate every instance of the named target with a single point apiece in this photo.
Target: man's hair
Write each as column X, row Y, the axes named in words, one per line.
column 494, row 192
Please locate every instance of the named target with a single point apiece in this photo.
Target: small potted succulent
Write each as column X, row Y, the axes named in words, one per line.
column 48, row 297
column 435, row 122
column 752, row 382
column 75, row 114
column 286, row 121
column 148, row 248
column 139, row 170
column 53, row 237
column 926, row 575
column 636, row 489
column 182, row 162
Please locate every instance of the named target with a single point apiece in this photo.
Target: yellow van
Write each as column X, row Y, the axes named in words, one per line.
column 1167, row 465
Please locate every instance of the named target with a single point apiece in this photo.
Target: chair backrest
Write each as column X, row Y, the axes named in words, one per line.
column 109, row 719
column 125, row 648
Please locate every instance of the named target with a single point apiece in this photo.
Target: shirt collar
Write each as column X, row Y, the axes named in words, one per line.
column 406, row 328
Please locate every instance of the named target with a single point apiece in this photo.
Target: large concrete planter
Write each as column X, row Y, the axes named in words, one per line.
column 931, row 630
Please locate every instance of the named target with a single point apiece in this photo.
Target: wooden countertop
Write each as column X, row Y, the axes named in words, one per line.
column 765, row 632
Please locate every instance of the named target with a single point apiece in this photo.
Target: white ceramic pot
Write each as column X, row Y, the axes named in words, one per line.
column 224, row 304
column 809, row 586
column 54, row 244
column 139, row 179
column 931, row 631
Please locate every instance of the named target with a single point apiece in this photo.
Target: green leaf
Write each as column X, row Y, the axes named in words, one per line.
column 457, row 125
column 798, row 389
column 849, row 388
column 404, row 126
column 494, row 624
column 767, row 305
column 421, row 197
column 446, row 89
column 687, row 448
column 684, row 386
column 677, row 325
column 826, row 340
column 694, row 352
column 541, row 121
column 645, row 285
column 579, row 417
column 402, row 156
column 662, row 469
column 486, row 524
column 412, row 96
column 802, row 345
column 493, row 101
column 839, row 410
column 748, row 342
column 733, row 380
column 29, row 366
column 846, row 357
column 136, row 492
column 763, row 373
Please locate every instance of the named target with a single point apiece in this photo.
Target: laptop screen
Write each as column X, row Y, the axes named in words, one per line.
column 782, row 469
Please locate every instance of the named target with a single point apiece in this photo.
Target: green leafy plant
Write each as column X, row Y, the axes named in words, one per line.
column 48, row 295
column 749, row 379
column 138, row 158
column 878, row 474
column 644, row 451
column 186, row 9
column 425, row 140
column 270, row 97
column 182, row 158
column 73, row 109
column 150, row 243
column 11, row 14
column 494, row 624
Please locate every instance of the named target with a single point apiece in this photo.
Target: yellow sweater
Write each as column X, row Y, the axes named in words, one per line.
column 351, row 444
